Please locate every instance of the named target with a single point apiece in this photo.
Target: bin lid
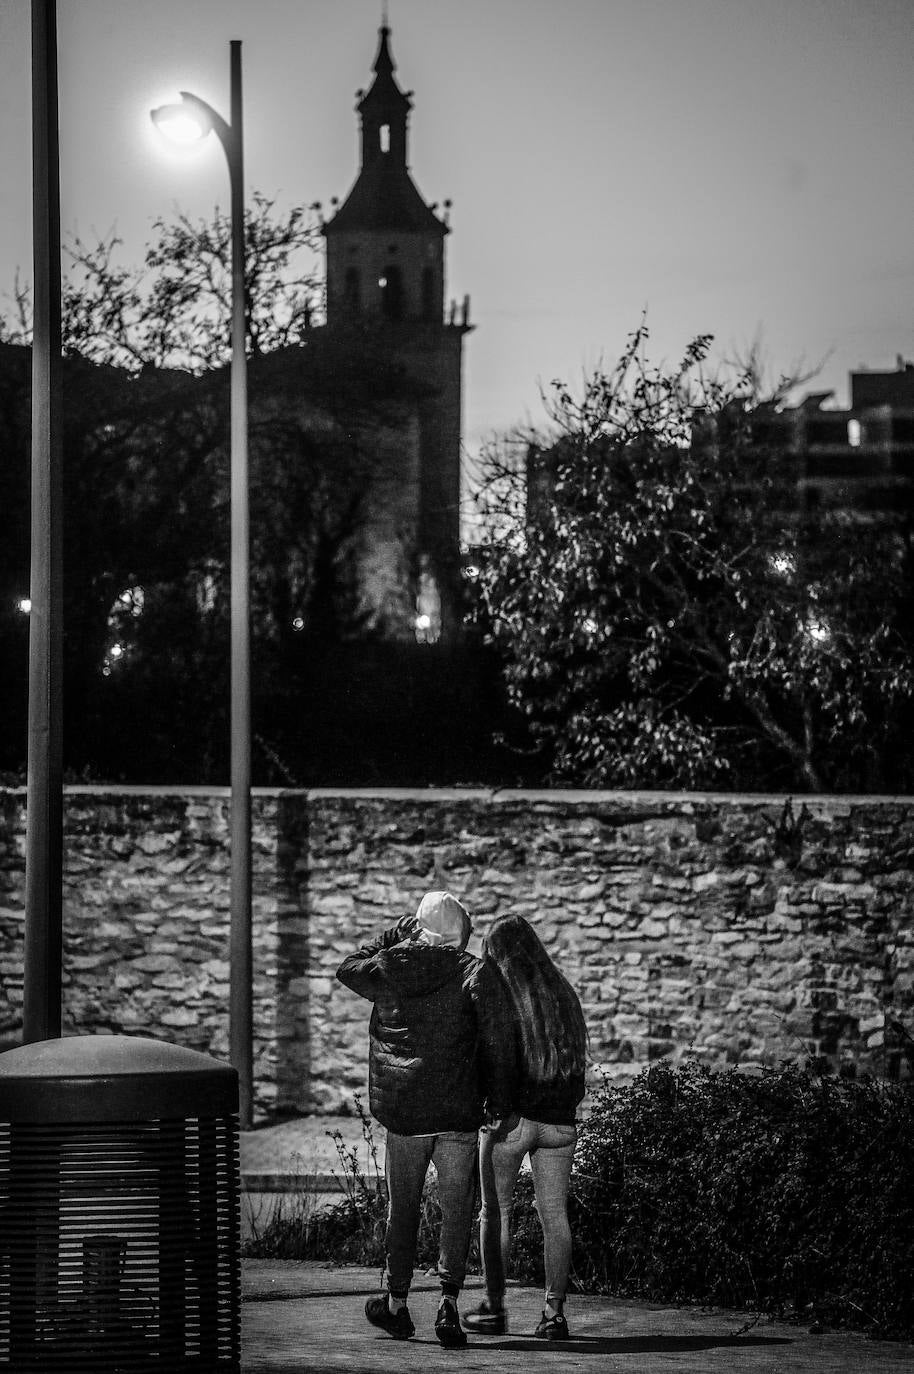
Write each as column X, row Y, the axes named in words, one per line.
column 89, row 1078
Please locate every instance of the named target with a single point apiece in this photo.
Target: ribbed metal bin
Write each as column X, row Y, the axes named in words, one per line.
column 119, row 1208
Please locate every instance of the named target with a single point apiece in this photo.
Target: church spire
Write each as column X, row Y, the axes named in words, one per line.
column 384, row 110
column 384, row 63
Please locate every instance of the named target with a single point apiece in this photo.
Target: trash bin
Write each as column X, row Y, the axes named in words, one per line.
column 119, row 1208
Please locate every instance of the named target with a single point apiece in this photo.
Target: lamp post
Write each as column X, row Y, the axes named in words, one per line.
column 194, row 118
column 44, row 811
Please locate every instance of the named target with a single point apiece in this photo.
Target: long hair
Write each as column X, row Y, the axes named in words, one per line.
column 547, row 1013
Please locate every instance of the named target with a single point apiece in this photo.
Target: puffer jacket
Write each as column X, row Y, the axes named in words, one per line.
column 439, row 1057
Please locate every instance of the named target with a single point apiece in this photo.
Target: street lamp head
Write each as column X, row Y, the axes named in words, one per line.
column 187, row 122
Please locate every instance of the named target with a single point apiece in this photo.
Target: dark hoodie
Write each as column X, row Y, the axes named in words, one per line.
column 441, row 1050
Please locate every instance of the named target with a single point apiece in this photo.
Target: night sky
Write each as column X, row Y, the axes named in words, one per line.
column 741, row 167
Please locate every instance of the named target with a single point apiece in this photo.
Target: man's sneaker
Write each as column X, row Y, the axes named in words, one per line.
column 398, row 1324
column 486, row 1320
column 447, row 1325
column 552, row 1328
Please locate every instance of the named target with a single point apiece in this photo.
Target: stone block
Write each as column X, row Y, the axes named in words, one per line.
column 157, row 843
column 155, row 963
column 179, row 1017
column 169, row 982
column 650, row 929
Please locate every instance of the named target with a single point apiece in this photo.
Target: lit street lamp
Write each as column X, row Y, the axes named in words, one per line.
column 193, row 119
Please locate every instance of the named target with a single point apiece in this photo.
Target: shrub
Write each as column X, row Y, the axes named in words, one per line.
column 784, row 1192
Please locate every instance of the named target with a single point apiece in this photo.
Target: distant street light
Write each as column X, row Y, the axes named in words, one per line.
column 190, row 120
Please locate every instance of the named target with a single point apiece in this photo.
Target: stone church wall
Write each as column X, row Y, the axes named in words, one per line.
column 718, row 926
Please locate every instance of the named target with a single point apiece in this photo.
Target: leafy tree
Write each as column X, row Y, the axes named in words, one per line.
column 146, row 412
column 665, row 614
column 174, row 311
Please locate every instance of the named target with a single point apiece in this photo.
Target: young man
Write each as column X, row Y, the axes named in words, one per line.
column 440, row 1063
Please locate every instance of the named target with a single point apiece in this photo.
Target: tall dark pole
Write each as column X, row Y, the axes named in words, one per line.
column 44, row 820
column 240, row 990
column 230, row 135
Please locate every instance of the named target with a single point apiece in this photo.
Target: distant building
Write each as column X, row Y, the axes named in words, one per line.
column 858, row 460
column 386, row 291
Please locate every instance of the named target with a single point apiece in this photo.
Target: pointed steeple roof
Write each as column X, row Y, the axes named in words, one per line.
column 384, row 196
column 384, row 89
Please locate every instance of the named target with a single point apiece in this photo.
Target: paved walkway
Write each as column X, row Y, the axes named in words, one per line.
column 302, row 1153
column 300, row 1156
column 310, row 1317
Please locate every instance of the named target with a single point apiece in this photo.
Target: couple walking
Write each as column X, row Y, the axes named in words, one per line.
column 458, row 1043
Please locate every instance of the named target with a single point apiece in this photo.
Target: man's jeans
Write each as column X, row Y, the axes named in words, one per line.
column 453, row 1154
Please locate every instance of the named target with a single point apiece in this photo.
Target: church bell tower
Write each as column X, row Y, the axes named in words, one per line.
column 386, row 287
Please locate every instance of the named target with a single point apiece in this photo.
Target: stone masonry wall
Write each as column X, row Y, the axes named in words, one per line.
column 727, row 927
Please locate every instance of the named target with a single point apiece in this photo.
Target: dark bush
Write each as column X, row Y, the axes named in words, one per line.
column 786, row 1192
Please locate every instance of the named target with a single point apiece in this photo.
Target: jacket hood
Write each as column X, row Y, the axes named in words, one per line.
column 416, row 969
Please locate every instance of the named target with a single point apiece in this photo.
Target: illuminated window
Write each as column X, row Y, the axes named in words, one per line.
column 207, row 590
column 385, row 138
column 428, row 605
column 391, row 283
column 853, row 433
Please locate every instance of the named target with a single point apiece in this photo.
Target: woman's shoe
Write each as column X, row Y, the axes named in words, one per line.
column 552, row 1328
column 488, row 1321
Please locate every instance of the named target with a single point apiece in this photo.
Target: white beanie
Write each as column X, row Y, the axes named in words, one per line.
column 442, row 920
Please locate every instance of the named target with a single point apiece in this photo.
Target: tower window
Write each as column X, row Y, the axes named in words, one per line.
column 428, row 293
column 428, row 605
column 385, row 138
column 352, row 290
column 391, row 283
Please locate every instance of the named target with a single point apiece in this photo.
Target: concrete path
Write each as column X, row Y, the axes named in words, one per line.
column 310, row 1317
column 299, row 1156
column 301, row 1153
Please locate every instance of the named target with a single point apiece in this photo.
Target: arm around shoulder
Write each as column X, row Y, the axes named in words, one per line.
column 497, row 1046
column 363, row 971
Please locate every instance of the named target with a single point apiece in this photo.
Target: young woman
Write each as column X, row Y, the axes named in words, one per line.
column 551, row 1042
